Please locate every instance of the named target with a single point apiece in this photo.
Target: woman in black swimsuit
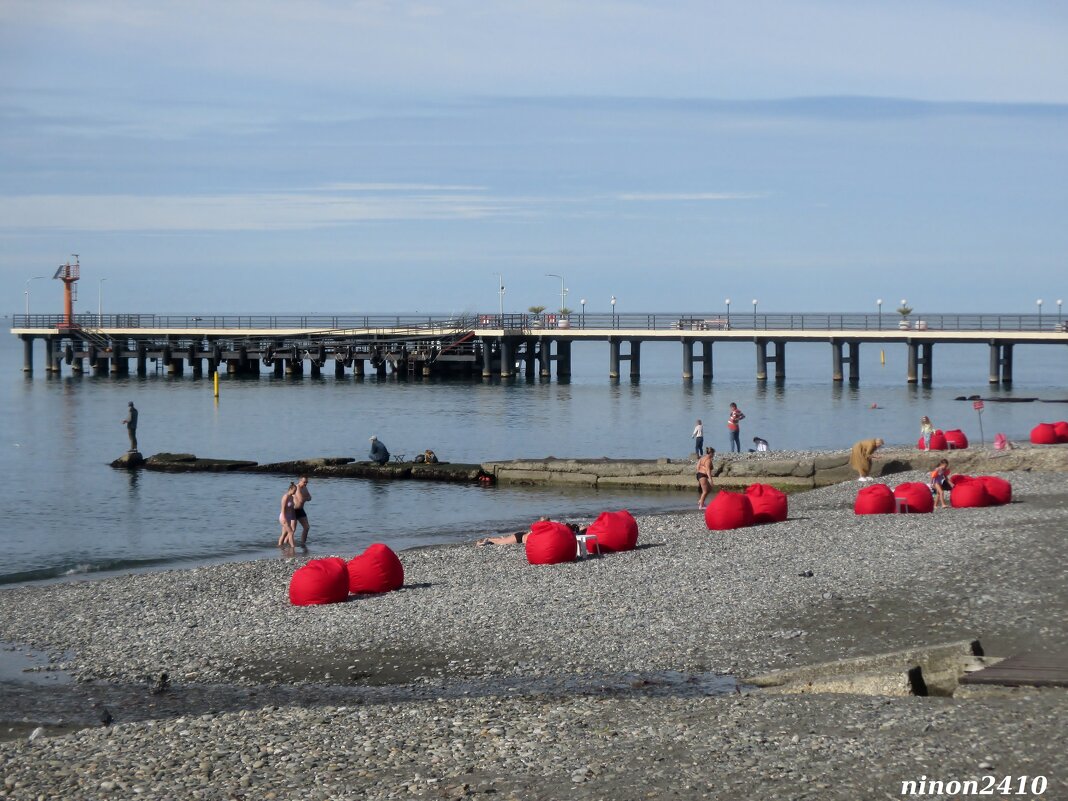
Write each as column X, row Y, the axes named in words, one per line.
column 704, row 475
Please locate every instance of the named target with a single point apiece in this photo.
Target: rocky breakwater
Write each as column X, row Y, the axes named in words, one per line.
column 335, row 466
column 786, row 470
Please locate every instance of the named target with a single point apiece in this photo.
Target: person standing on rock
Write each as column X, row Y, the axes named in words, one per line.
column 704, row 476
column 301, row 497
column 698, row 436
column 131, row 426
column 733, row 420
column 379, row 453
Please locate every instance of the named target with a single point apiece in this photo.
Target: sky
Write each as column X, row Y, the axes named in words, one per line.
column 384, row 156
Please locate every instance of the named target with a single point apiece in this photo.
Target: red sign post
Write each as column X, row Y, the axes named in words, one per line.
column 978, row 406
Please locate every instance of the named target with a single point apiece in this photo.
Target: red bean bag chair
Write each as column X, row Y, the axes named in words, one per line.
column 1044, row 434
column 958, row 479
column 916, row 496
column 615, row 531
column 938, row 442
column 729, row 510
column 956, row 439
column 1061, row 430
column 550, row 543
column 769, row 504
column 969, row 494
column 377, row 569
column 875, row 499
column 999, row 490
column 321, row 581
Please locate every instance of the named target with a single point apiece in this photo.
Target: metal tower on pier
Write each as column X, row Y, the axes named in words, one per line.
column 69, row 274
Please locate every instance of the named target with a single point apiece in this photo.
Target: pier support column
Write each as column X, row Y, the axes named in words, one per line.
column 545, row 356
column 55, row 355
column 487, row 357
column 530, row 358
column 316, row 370
column 914, row 355
column 339, row 365
column 508, row 348
column 779, row 359
column 142, row 358
column 563, row 358
column 359, row 367
column 706, row 359
column 27, row 354
column 1000, row 362
column 854, row 362
column 687, row 359
column 635, row 358
column 613, row 357
column 50, row 355
column 836, row 361
column 119, row 363
column 761, row 360
column 928, row 362
column 77, row 362
column 279, row 367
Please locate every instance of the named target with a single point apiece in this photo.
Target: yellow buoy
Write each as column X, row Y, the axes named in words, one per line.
column 882, row 360
column 216, row 383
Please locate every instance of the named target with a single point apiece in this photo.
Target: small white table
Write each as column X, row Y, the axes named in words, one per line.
column 586, row 545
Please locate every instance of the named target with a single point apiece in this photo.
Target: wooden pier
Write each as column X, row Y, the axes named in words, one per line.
column 495, row 346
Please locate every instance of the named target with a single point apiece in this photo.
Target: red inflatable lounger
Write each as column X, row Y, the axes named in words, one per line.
column 321, row 581
column 938, row 442
column 615, row 531
column 550, row 543
column 875, row 499
column 999, row 490
column 769, row 504
column 729, row 510
column 915, row 496
column 1061, row 430
column 377, row 569
column 970, row 494
column 956, row 439
column 1044, row 434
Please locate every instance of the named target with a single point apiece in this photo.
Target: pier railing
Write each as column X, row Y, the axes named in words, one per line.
column 659, row 321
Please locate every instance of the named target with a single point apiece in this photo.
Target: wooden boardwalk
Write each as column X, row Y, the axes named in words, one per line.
column 1028, row 669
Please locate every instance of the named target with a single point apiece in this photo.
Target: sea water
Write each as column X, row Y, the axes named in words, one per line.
column 70, row 514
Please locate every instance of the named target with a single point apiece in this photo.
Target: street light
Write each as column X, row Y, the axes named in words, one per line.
column 754, row 313
column 1039, row 302
column 100, row 302
column 500, row 294
column 1059, row 302
column 613, row 311
column 563, row 291
column 27, row 293
column 879, row 304
column 583, row 303
column 728, row 302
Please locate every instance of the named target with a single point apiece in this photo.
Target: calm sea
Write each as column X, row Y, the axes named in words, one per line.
column 71, row 515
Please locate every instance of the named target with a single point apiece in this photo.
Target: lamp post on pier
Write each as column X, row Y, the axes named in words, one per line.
column 27, row 292
column 500, row 295
column 613, row 311
column 582, row 302
column 728, row 302
column 563, row 291
column 754, row 313
column 1039, row 302
column 100, row 302
column 1059, row 302
column 879, row 305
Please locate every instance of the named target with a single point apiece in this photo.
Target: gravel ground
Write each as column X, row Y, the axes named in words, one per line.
column 606, row 678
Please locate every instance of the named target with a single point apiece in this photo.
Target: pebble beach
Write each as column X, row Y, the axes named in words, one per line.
column 616, row 677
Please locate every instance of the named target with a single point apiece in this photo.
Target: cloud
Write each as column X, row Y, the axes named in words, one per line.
column 324, row 206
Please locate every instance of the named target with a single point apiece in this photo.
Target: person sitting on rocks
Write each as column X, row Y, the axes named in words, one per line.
column 761, row 445
column 379, row 452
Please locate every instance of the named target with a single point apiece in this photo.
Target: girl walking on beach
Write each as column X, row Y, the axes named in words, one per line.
column 926, row 430
column 287, row 517
column 704, row 476
column 940, row 483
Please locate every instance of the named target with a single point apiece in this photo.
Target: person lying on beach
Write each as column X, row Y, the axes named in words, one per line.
column 519, row 537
